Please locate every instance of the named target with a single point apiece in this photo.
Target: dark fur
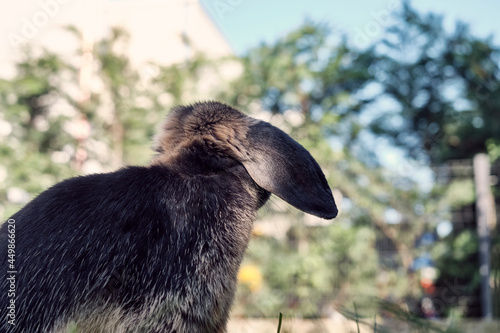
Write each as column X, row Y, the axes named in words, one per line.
column 157, row 248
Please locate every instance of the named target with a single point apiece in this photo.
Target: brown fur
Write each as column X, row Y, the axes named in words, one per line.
column 223, row 131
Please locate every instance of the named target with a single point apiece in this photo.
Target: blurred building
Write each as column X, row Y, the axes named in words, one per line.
column 163, row 31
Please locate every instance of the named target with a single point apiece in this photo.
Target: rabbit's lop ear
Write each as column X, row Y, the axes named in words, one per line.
column 283, row 167
column 275, row 161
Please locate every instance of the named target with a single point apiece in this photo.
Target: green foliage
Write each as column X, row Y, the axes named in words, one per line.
column 444, row 91
column 460, row 193
column 456, row 260
column 32, row 133
column 331, row 267
column 457, row 257
column 493, row 146
column 445, row 86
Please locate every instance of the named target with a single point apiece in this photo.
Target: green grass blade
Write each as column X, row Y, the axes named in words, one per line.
column 279, row 322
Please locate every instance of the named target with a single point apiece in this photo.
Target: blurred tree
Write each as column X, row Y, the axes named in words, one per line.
column 331, row 271
column 48, row 133
column 445, row 87
column 443, row 91
column 119, row 103
column 35, row 150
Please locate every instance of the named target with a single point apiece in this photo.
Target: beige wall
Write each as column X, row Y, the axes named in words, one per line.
column 155, row 28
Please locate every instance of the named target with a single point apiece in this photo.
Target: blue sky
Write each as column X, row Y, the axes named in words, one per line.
column 246, row 23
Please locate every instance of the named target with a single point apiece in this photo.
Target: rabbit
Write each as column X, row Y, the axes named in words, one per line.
column 154, row 248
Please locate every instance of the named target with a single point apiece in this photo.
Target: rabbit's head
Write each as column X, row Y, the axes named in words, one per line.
column 224, row 139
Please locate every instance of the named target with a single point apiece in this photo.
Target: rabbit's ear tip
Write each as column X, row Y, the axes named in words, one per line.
column 315, row 202
column 330, row 212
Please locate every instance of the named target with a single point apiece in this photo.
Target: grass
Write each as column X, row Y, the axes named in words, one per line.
column 399, row 316
column 279, row 322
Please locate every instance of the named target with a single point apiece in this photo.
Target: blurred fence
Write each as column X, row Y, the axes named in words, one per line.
column 466, row 217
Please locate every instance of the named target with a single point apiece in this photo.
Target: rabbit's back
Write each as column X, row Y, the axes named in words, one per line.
column 171, row 247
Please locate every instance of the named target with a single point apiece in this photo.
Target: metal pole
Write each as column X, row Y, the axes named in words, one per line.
column 483, row 202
